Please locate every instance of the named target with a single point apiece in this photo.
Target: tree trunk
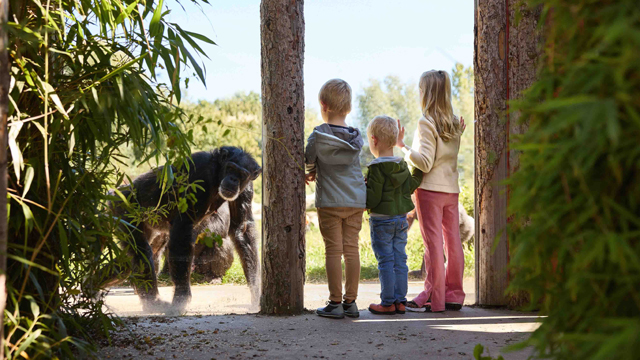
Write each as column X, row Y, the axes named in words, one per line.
column 283, row 230
column 491, row 152
column 5, row 80
column 505, row 54
column 524, row 50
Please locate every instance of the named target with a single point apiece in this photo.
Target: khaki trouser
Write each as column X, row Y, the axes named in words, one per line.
column 340, row 228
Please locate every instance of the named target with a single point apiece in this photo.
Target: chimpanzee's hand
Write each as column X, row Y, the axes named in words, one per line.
column 310, row 177
column 463, row 126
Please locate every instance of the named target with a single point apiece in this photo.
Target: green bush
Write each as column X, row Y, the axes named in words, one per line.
column 83, row 85
column 575, row 202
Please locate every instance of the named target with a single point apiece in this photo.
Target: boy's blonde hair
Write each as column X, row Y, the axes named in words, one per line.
column 336, row 94
column 385, row 129
column 435, row 93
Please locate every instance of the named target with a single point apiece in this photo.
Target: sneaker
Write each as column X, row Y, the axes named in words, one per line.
column 332, row 310
column 351, row 309
column 380, row 309
column 453, row 306
column 413, row 307
column 400, row 308
column 427, row 308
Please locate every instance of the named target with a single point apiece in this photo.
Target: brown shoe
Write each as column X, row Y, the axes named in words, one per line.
column 400, row 308
column 380, row 309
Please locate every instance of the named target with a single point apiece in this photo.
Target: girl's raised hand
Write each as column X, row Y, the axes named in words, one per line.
column 400, row 140
column 462, row 125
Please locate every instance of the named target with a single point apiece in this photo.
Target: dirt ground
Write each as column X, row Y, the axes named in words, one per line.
column 235, row 299
column 219, row 325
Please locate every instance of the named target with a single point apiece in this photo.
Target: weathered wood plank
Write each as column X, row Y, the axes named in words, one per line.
column 505, row 65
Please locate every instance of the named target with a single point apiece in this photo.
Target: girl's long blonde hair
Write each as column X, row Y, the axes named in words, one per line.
column 435, row 92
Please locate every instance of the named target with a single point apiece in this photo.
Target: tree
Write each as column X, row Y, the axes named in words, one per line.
column 491, row 153
column 86, row 80
column 283, row 204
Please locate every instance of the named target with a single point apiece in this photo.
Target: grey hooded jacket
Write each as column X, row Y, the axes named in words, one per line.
column 333, row 153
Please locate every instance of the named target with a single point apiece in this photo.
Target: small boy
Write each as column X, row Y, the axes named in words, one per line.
column 389, row 189
column 332, row 160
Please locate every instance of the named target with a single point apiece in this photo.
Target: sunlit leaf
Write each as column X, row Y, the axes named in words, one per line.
column 28, row 178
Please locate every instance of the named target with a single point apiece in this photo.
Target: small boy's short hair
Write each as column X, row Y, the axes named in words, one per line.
column 385, row 129
column 336, row 94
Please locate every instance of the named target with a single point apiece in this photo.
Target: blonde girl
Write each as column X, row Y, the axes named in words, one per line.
column 436, row 143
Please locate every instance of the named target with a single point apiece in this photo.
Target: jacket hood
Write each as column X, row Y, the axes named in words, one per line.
column 341, row 148
column 394, row 168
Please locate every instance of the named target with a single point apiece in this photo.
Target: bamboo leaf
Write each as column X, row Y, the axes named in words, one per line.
column 72, row 141
column 49, row 90
column 120, row 19
column 28, row 216
column 122, row 197
column 195, row 65
column 200, row 37
column 16, row 154
column 32, row 264
column 35, row 310
column 155, row 20
column 28, row 178
column 34, row 335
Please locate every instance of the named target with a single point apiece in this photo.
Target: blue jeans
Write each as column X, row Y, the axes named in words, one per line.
column 389, row 240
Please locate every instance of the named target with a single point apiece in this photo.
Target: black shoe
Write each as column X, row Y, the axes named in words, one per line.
column 351, row 309
column 453, row 306
column 428, row 309
column 332, row 310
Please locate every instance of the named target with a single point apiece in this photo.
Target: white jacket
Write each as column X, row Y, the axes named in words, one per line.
column 435, row 157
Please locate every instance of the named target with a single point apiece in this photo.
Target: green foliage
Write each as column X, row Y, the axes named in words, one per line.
column 466, row 198
column 575, row 202
column 392, row 97
column 477, row 354
column 208, row 238
column 463, row 105
column 85, row 82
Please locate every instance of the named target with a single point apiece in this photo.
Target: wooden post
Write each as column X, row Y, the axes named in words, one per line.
column 491, row 151
column 283, row 226
column 524, row 39
column 5, row 80
column 505, row 65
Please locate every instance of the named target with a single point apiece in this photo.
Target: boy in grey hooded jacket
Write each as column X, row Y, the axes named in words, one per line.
column 332, row 160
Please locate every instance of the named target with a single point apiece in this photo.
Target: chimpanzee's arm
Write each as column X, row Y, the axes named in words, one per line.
column 243, row 233
column 181, row 246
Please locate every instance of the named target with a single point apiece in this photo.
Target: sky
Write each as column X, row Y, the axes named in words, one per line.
column 356, row 40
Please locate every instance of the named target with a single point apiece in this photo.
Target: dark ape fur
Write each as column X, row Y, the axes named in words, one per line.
column 224, row 208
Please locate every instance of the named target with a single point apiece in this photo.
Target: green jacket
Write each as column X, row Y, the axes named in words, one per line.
column 390, row 185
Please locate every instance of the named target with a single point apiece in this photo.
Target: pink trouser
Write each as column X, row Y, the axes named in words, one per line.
column 438, row 216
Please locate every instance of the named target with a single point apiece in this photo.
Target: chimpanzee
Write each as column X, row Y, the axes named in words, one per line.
column 223, row 208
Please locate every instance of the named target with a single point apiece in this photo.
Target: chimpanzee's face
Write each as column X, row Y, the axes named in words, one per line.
column 238, row 171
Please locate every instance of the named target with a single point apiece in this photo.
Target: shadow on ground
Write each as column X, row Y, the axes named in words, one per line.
column 200, row 335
